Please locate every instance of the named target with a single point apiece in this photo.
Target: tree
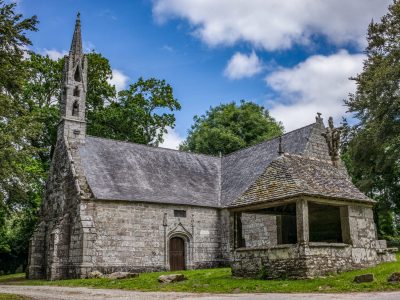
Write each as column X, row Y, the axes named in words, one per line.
column 372, row 153
column 17, row 125
column 42, row 93
column 140, row 114
column 230, row 127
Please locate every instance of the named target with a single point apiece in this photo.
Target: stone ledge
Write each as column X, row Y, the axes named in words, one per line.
column 387, row 250
column 283, row 246
column 327, row 245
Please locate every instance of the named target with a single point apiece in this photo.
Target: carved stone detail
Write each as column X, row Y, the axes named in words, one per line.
column 332, row 137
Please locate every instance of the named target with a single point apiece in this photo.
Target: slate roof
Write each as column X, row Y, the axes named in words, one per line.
column 241, row 168
column 293, row 175
column 126, row 171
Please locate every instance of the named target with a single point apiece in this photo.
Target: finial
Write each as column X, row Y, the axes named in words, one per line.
column 78, row 18
column 76, row 45
column 280, row 150
column 318, row 118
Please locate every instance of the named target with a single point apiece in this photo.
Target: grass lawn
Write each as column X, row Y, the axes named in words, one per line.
column 12, row 297
column 221, row 281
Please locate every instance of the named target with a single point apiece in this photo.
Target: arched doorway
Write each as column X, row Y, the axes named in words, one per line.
column 176, row 254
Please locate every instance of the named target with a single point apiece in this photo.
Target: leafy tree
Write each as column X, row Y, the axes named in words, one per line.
column 140, row 114
column 17, row 125
column 373, row 149
column 42, row 93
column 229, row 127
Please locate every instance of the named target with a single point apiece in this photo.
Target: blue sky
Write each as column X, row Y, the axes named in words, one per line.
column 294, row 57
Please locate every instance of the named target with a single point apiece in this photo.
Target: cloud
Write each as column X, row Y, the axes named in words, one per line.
column 54, row 54
column 242, row 65
column 318, row 84
column 274, row 24
column 88, row 46
column 119, row 79
column 171, row 139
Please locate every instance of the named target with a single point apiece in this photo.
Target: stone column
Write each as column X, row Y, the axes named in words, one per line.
column 345, row 224
column 302, row 221
column 238, row 238
column 279, row 230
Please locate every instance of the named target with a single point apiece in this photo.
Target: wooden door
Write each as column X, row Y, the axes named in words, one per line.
column 176, row 254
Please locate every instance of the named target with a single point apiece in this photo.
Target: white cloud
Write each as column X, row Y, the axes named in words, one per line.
column 319, row 84
column 119, row 79
column 88, row 46
column 242, row 65
column 172, row 139
column 274, row 24
column 54, row 54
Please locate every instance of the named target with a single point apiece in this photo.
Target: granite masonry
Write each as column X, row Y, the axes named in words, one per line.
column 282, row 208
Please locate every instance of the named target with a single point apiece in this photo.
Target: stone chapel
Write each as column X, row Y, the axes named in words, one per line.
column 285, row 206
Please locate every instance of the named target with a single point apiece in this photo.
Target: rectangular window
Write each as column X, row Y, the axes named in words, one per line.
column 324, row 223
column 180, row 213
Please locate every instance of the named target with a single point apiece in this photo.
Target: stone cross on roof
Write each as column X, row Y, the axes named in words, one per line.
column 332, row 137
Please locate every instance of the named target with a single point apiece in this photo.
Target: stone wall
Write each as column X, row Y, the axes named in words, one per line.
column 259, row 230
column 50, row 243
column 310, row 259
column 271, row 262
column 362, row 235
column 296, row 261
column 135, row 236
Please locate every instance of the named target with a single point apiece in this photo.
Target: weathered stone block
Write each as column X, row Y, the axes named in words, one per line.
column 364, row 278
column 171, row 278
column 395, row 277
column 122, row 275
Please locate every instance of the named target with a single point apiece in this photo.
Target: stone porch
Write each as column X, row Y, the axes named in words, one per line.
column 309, row 237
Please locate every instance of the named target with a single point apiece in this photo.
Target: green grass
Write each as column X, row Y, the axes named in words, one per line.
column 12, row 297
column 221, row 281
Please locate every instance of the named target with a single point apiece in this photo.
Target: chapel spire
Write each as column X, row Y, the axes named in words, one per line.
column 74, row 86
column 76, row 45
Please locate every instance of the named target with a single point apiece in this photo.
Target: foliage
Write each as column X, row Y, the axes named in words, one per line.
column 140, row 114
column 30, row 92
column 221, row 281
column 229, row 127
column 42, row 93
column 12, row 297
column 17, row 127
column 372, row 151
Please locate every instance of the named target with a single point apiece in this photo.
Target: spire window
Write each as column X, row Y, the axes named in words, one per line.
column 75, row 109
column 77, row 92
column 77, row 76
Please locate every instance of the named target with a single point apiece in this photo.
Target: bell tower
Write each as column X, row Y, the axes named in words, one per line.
column 73, row 93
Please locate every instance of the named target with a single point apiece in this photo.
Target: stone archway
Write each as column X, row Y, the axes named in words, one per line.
column 182, row 237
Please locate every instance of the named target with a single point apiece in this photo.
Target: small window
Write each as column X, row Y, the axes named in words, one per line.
column 180, row 213
column 75, row 109
column 76, row 91
column 77, row 75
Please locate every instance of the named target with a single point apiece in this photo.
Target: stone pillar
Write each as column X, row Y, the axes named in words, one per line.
column 238, row 237
column 279, row 230
column 302, row 221
column 345, row 224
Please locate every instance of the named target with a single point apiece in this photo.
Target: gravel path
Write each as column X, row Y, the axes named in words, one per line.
column 76, row 293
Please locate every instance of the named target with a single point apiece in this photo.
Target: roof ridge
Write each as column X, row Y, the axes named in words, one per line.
column 271, row 139
column 154, row 147
column 307, row 157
